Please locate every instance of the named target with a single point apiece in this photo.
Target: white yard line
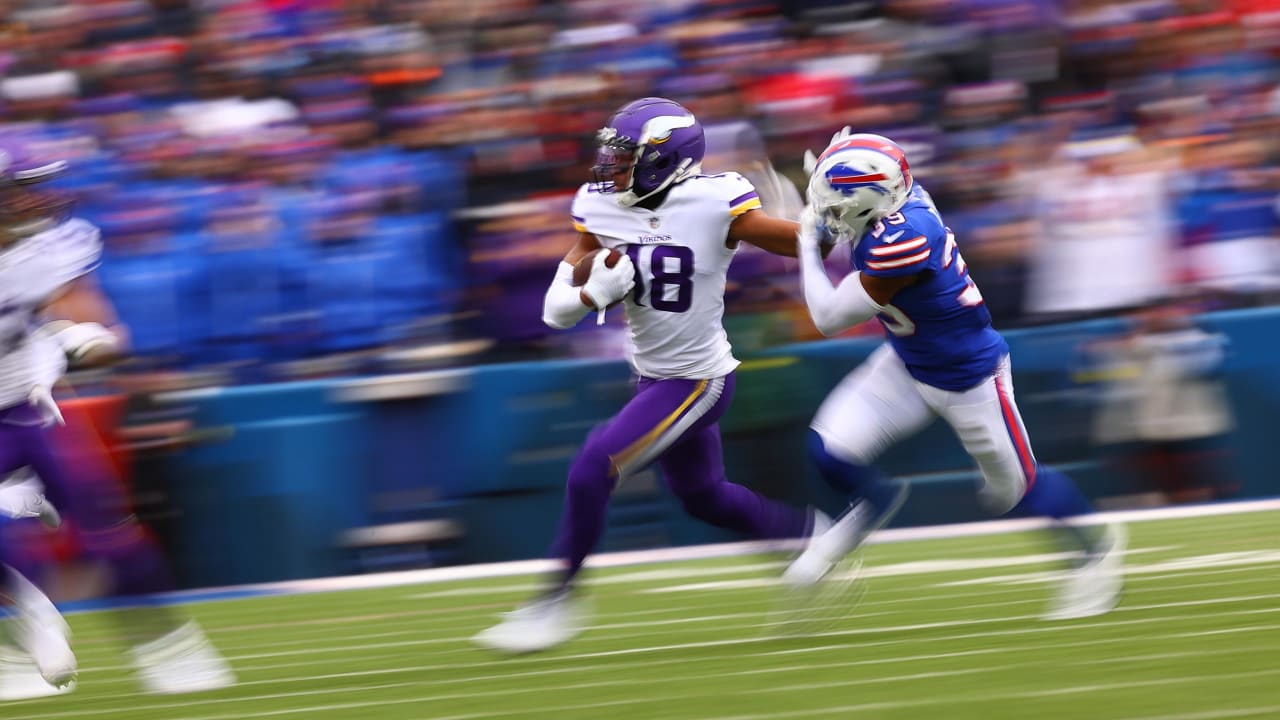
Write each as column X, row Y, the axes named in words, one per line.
column 520, row 672
column 1268, row 711
column 677, row 615
column 624, row 682
column 823, row 712
column 913, row 567
column 524, row 663
column 640, row 557
column 1018, row 695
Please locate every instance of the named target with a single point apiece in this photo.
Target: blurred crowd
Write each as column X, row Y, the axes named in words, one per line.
column 320, row 186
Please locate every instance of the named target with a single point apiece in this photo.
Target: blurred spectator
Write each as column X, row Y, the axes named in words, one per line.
column 1164, row 411
column 1093, row 155
column 1106, row 238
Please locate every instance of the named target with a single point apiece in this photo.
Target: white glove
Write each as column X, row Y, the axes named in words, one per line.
column 608, row 285
column 813, row 233
column 41, row 398
column 79, row 339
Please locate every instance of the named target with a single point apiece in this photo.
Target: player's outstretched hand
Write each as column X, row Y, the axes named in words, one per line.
column 811, row 160
column 607, row 285
column 842, row 134
column 813, row 234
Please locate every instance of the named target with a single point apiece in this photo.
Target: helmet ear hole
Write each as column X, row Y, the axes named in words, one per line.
column 663, row 162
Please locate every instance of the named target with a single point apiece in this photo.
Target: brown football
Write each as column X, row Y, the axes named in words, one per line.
column 582, row 270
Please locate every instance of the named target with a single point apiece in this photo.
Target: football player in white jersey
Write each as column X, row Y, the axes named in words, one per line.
column 52, row 312
column 678, row 231
column 943, row 358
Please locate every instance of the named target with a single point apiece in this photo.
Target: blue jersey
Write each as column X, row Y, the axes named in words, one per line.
column 939, row 326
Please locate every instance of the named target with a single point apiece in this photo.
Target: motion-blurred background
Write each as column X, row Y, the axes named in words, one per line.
column 329, row 226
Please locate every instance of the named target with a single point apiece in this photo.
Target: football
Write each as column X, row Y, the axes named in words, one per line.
column 582, row 270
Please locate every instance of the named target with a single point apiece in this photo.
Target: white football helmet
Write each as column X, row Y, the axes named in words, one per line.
column 857, row 180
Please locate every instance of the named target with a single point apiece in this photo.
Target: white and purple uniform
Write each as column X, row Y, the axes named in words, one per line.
column 676, row 311
column 682, row 355
column 32, row 272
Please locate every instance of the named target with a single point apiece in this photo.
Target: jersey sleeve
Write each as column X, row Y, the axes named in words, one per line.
column 578, row 209
column 904, row 250
column 736, row 192
column 77, row 249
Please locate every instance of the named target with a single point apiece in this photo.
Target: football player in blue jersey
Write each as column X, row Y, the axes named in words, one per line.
column 942, row 358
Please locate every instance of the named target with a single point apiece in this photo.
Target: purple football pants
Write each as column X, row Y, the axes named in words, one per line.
column 672, row 422
column 79, row 481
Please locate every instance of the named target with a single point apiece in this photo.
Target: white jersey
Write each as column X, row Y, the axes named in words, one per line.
column 676, row 312
column 32, row 272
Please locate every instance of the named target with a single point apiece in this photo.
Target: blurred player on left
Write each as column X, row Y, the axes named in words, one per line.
column 52, row 312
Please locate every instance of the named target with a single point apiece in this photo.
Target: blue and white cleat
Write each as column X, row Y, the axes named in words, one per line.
column 823, row 584
column 1094, row 588
column 827, row 549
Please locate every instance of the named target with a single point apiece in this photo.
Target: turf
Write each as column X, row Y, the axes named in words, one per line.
column 947, row 629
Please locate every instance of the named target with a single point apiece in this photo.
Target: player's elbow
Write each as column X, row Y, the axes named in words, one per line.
column 830, row 330
column 827, row 324
column 556, row 323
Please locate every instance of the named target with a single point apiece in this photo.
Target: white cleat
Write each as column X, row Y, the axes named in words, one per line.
column 182, row 661
column 21, row 679
column 829, row 541
column 22, row 496
column 826, row 549
column 41, row 632
column 540, row 625
column 47, row 644
column 1094, row 588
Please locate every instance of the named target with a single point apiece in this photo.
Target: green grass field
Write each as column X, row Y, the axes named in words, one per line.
column 947, row 629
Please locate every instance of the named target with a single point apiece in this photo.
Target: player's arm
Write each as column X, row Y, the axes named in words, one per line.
column 771, row 234
column 565, row 304
column 768, row 233
column 855, row 300
column 83, row 322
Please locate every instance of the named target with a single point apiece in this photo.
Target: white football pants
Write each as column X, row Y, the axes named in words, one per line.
column 879, row 403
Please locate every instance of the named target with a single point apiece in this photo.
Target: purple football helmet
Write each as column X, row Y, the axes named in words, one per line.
column 25, row 210
column 649, row 145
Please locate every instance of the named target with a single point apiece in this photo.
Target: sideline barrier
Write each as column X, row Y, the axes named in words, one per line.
column 488, row 447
